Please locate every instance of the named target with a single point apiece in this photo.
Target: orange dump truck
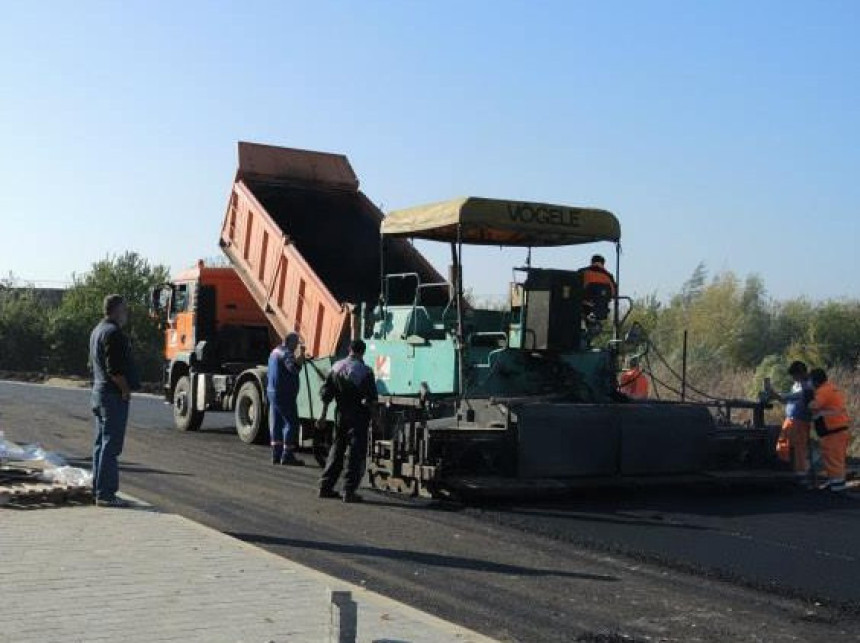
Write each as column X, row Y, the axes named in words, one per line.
column 304, row 248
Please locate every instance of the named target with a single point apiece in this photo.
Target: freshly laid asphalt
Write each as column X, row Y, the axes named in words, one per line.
column 688, row 564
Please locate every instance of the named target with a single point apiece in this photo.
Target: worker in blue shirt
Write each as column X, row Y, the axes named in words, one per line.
column 282, row 389
column 798, row 419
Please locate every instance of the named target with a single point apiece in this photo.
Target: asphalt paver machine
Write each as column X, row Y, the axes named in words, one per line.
column 524, row 398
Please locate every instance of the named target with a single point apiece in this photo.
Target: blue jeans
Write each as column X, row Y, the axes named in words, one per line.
column 283, row 424
column 111, row 415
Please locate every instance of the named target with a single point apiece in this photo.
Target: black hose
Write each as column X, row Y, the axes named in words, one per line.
column 650, row 373
column 665, row 362
column 676, row 391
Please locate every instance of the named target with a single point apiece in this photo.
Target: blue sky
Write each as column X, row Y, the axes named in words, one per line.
column 723, row 132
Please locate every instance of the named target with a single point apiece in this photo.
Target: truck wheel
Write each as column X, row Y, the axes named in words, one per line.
column 184, row 416
column 250, row 415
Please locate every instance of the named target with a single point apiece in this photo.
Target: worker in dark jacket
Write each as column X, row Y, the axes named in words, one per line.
column 352, row 385
column 114, row 378
column 282, row 389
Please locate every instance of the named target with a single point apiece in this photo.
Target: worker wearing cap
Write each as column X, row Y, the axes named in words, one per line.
column 798, row 418
column 282, row 389
column 832, row 424
column 352, row 384
column 633, row 382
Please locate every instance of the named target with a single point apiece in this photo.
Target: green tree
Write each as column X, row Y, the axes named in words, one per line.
column 835, row 333
column 751, row 339
column 128, row 274
column 693, row 287
column 774, row 367
column 792, row 320
column 23, row 327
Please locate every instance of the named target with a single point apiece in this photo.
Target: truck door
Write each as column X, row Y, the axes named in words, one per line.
column 179, row 333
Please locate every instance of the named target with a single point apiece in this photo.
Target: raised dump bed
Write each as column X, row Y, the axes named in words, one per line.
column 305, row 242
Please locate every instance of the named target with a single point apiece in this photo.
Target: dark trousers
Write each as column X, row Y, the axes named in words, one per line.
column 350, row 441
column 111, row 417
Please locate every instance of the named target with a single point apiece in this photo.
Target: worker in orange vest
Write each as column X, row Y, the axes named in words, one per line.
column 633, row 382
column 832, row 424
column 599, row 288
column 596, row 273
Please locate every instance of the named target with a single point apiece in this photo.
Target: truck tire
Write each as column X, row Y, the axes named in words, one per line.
column 184, row 416
column 251, row 415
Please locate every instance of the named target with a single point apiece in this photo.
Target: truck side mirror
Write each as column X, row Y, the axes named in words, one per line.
column 155, row 301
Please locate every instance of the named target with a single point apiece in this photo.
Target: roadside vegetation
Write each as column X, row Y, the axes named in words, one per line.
column 36, row 337
column 738, row 336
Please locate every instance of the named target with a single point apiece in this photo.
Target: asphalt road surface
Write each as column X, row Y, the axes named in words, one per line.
column 693, row 564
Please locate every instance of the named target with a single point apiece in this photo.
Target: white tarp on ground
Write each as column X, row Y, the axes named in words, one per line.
column 52, row 467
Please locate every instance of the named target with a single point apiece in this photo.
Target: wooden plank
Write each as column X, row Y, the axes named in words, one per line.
column 20, row 493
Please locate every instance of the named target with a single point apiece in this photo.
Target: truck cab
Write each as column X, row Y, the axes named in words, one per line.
column 211, row 324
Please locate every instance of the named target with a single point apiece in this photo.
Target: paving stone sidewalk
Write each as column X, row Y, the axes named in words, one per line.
column 124, row 575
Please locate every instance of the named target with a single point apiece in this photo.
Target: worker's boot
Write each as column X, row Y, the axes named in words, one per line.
column 838, row 485
column 277, row 453
column 289, row 459
column 804, row 480
column 351, row 497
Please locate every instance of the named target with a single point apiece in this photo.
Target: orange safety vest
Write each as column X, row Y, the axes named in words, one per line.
column 634, row 383
column 830, row 405
column 596, row 274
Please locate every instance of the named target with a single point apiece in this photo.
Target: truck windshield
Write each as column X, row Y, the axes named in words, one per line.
column 179, row 303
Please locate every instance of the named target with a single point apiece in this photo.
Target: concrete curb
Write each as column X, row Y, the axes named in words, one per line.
column 359, row 593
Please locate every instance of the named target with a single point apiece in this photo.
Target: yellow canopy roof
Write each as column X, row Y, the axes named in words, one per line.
column 503, row 223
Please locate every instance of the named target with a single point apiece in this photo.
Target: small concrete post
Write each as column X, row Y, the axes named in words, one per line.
column 343, row 622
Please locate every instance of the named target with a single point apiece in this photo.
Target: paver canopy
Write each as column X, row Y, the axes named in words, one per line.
column 475, row 220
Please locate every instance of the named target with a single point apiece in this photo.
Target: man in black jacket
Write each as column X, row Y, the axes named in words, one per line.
column 352, row 385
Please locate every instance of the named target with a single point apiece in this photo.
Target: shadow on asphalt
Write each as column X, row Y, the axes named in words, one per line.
column 417, row 557
column 126, row 467
column 617, row 518
column 226, row 430
column 617, row 506
column 130, row 467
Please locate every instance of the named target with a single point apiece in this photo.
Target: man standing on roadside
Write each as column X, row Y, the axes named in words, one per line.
column 114, row 377
column 352, row 385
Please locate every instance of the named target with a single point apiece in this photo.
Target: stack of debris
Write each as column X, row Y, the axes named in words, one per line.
column 29, row 475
